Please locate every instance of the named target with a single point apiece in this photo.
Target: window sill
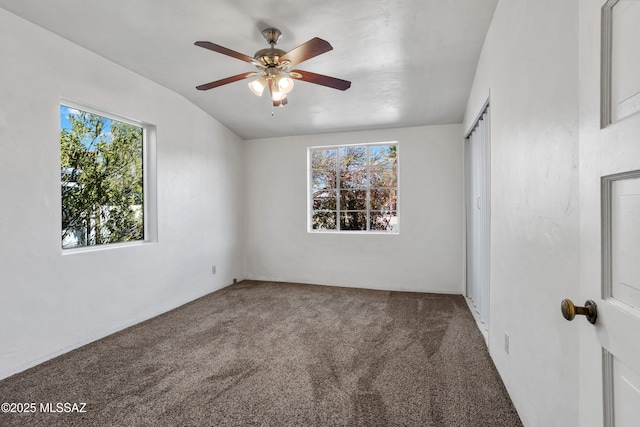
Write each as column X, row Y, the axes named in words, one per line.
column 105, row 247
column 362, row 233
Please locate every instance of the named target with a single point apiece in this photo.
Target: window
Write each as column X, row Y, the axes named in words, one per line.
column 354, row 188
column 102, row 179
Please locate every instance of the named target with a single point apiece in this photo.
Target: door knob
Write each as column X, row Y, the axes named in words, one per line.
column 569, row 310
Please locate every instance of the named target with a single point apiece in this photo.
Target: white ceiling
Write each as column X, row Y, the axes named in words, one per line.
column 411, row 62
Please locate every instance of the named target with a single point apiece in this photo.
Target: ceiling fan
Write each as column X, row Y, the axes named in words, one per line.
column 275, row 65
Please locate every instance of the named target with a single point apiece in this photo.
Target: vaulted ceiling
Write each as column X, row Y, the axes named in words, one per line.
column 411, row 62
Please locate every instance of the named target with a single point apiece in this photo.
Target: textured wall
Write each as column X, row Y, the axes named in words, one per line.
column 529, row 66
column 52, row 302
column 427, row 254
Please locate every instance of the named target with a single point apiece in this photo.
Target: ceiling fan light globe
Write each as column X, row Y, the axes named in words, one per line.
column 277, row 95
column 257, row 86
column 285, row 84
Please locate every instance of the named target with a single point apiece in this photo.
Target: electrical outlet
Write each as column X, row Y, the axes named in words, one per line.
column 506, row 343
column 213, row 270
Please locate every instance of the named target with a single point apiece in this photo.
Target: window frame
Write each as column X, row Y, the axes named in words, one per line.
column 149, row 177
column 338, row 189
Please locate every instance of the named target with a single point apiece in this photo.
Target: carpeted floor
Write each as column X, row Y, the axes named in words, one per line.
column 278, row 354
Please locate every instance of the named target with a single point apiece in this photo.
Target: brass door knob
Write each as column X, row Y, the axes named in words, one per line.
column 569, row 310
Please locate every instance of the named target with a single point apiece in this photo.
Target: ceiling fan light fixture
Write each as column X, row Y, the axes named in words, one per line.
column 280, row 103
column 274, row 67
column 257, row 86
column 277, row 95
column 284, row 82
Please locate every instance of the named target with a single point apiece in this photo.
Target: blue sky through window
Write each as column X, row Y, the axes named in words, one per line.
column 65, row 122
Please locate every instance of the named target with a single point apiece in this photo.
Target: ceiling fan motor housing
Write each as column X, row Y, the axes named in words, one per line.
column 270, row 56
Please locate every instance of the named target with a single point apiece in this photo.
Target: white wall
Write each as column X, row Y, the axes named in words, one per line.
column 427, row 254
column 50, row 302
column 529, row 66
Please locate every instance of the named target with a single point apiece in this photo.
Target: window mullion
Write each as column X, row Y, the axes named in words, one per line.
column 338, row 185
column 368, row 187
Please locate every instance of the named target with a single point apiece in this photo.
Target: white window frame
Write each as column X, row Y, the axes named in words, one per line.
column 149, row 180
column 396, row 229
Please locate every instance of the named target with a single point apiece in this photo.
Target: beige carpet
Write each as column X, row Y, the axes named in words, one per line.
column 277, row 354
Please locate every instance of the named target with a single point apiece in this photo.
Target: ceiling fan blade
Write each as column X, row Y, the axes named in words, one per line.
column 232, row 53
column 319, row 79
column 308, row 50
column 231, row 79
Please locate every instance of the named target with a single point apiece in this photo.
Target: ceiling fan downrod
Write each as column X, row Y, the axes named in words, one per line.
column 270, row 56
column 272, row 35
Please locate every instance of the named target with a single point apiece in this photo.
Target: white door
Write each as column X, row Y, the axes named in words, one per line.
column 609, row 162
column 477, row 186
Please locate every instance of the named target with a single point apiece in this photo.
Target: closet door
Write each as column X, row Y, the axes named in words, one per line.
column 477, row 162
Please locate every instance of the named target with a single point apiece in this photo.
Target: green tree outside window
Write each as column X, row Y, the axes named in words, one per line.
column 101, row 179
